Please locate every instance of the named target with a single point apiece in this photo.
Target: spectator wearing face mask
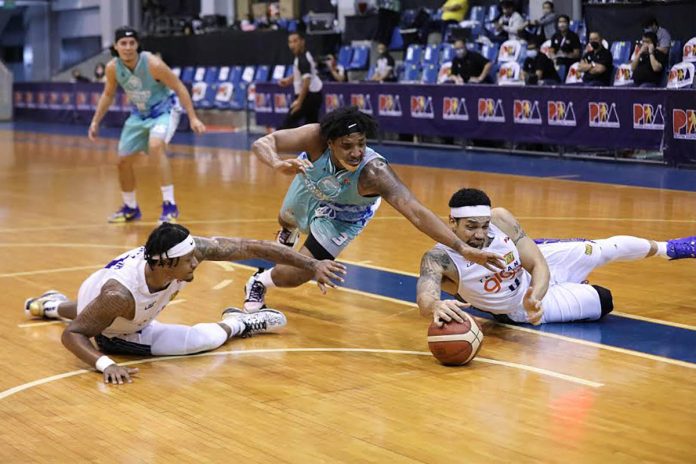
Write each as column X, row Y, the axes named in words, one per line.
column 664, row 40
column 334, row 71
column 565, row 44
column 649, row 63
column 384, row 68
column 546, row 24
column 537, row 67
column 469, row 66
column 597, row 63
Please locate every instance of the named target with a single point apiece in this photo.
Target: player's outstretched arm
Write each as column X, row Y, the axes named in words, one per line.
column 307, row 139
column 531, row 259
column 105, row 100
column 435, row 266
column 378, row 178
column 113, row 301
column 232, row 249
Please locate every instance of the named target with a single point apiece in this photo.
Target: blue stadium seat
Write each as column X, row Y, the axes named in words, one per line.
column 177, row 71
column 477, row 13
column 397, row 41
column 675, row 53
column 414, row 54
column 211, row 73
column 361, row 58
column 490, row 52
column 199, row 74
column 187, row 74
column 345, row 54
column 289, row 70
column 262, row 73
column 430, row 72
column 278, row 73
column 431, row 55
column 412, row 72
column 621, row 52
column 579, row 28
column 473, row 46
column 492, row 13
column 446, row 53
column 248, row 74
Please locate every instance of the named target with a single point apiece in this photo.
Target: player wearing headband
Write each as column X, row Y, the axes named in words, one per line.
column 338, row 185
column 542, row 282
column 149, row 83
column 118, row 304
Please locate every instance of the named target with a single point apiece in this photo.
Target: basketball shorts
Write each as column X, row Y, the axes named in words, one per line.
column 137, row 131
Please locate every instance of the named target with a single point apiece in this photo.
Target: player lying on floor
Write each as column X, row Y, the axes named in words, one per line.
column 117, row 305
column 544, row 281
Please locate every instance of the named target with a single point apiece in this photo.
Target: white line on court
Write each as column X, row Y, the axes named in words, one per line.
column 536, row 370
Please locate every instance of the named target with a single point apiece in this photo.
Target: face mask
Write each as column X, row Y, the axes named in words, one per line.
column 459, row 52
column 531, row 53
column 595, row 45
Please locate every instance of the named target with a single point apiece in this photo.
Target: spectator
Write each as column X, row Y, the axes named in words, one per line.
column 306, row 83
column 78, row 77
column 469, row 66
column 334, row 71
column 565, row 44
column 453, row 11
column 99, row 72
column 537, row 67
column 649, row 63
column 546, row 24
column 388, row 17
column 597, row 63
column 509, row 24
column 384, row 67
column 664, row 40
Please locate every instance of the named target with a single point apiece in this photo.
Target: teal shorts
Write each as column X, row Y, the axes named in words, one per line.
column 137, row 131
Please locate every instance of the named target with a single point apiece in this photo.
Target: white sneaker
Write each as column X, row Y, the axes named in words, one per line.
column 36, row 307
column 254, row 293
column 263, row 321
column 288, row 237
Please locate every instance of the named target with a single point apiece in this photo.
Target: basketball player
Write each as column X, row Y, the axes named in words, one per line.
column 541, row 283
column 148, row 82
column 118, row 304
column 339, row 182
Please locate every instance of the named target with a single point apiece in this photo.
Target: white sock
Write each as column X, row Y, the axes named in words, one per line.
column 236, row 326
column 662, row 250
column 265, row 278
column 129, row 199
column 168, row 193
column 623, row 248
column 51, row 309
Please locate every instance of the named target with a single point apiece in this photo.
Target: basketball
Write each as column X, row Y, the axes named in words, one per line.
column 455, row 343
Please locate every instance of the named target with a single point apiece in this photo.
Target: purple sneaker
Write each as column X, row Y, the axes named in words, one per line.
column 170, row 213
column 680, row 248
column 125, row 214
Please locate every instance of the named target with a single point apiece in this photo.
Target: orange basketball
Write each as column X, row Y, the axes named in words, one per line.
column 455, row 343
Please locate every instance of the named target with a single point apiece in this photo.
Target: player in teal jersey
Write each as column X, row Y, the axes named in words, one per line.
column 338, row 185
column 149, row 83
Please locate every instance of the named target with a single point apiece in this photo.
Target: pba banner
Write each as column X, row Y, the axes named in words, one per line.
column 575, row 116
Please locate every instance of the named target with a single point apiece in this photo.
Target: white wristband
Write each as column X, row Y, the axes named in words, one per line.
column 103, row 362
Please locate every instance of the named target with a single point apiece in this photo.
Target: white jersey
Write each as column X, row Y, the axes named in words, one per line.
column 129, row 270
column 499, row 292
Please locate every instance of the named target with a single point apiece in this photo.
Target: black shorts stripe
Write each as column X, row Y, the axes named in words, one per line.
column 119, row 346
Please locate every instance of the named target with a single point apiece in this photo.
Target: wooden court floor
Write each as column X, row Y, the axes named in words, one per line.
column 350, row 380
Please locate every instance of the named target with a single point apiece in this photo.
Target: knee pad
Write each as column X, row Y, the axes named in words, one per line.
column 606, row 301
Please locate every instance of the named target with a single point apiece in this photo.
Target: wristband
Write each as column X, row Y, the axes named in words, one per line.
column 103, row 362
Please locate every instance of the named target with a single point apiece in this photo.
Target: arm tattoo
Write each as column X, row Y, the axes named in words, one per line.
column 232, row 249
column 113, row 301
column 379, row 179
column 218, row 249
column 518, row 232
column 435, row 265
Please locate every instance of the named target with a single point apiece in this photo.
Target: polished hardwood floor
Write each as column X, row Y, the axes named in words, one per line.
column 350, row 379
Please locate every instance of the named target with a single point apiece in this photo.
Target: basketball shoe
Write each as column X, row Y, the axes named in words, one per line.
column 263, row 321
column 680, row 248
column 125, row 214
column 288, row 237
column 170, row 213
column 254, row 293
column 44, row 306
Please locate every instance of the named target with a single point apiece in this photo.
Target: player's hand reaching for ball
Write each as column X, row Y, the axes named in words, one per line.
column 533, row 307
column 326, row 272
column 448, row 310
column 116, row 374
column 490, row 261
column 293, row 166
column 197, row 126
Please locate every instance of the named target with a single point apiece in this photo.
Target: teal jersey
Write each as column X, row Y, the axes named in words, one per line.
column 325, row 192
column 149, row 97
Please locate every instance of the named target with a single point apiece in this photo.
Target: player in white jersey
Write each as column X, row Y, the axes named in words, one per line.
column 118, row 305
column 541, row 283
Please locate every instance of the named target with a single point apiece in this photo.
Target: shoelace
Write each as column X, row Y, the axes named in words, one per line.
column 284, row 236
column 252, row 327
column 256, row 292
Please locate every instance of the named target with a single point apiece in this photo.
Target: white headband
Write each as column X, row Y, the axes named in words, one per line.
column 180, row 249
column 470, row 211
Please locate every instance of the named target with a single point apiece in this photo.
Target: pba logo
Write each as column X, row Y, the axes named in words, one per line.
column 281, row 102
column 66, row 98
column 490, row 110
column 454, row 109
column 54, row 100
column 389, row 105
column 680, row 74
column 422, row 107
column 19, row 99
column 41, row 100
column 94, row 99
column 647, row 116
column 689, row 51
column 526, row 112
column 684, row 124
column 362, row 101
column 263, row 102
column 81, row 100
column 603, row 115
column 560, row 113
column 333, row 101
